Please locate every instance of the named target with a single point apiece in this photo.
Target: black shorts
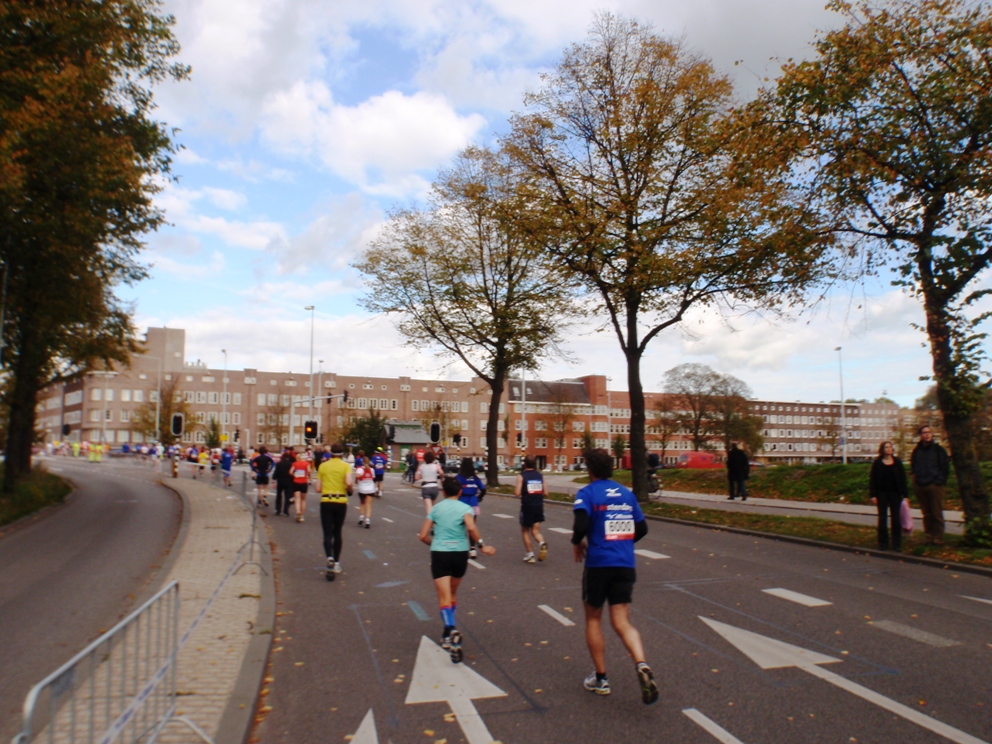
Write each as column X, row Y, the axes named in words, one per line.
column 379, row 477
column 613, row 585
column 300, row 487
column 449, row 563
column 262, row 480
column 531, row 514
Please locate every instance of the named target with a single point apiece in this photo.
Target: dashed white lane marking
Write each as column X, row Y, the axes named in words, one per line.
column 562, row 530
column 651, row 554
column 977, row 599
column 387, row 519
column 712, row 728
column 803, row 599
column 556, row 615
column 915, row 634
column 503, row 516
column 476, row 564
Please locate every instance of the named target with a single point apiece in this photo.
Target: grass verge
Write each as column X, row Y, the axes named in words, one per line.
column 810, row 528
column 38, row 490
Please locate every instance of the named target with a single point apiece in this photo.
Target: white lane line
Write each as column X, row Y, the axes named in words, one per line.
column 977, row 599
column 915, row 634
column 562, row 530
column 387, row 519
column 651, row 554
column 556, row 615
column 713, row 729
column 476, row 564
column 803, row 599
column 503, row 516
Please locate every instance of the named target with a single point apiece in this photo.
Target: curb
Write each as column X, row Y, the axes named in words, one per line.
column 868, row 552
column 238, row 718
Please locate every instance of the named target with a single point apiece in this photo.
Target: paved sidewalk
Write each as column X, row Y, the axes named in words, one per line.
column 212, row 690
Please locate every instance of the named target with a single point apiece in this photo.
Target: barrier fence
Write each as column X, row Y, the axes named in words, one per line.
column 122, row 687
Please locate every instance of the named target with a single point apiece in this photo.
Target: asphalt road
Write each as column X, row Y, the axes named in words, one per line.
column 70, row 574
column 894, row 633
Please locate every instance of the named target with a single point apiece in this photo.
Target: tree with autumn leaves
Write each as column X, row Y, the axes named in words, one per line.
column 895, row 113
column 80, row 160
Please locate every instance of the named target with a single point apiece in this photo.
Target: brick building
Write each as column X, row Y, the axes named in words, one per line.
column 547, row 419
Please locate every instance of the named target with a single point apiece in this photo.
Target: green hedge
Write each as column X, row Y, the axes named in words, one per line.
column 38, row 490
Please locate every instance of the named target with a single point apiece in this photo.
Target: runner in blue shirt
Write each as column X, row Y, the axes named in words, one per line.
column 380, row 461
column 448, row 528
column 608, row 521
column 226, row 461
column 473, row 490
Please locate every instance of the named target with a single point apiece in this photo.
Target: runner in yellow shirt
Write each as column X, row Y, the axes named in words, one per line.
column 336, row 484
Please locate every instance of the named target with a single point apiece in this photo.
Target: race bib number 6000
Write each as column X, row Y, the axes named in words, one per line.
column 619, row 529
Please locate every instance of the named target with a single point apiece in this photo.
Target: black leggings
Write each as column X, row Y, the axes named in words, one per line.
column 888, row 512
column 284, row 497
column 332, row 520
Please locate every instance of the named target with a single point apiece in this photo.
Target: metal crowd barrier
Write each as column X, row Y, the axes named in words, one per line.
column 122, row 687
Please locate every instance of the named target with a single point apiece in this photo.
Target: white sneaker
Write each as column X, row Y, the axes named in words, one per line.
column 529, row 558
column 337, row 567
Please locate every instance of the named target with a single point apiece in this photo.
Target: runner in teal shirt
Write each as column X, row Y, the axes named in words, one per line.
column 447, row 529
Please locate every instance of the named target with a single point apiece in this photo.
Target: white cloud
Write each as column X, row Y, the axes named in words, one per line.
column 253, row 235
column 168, row 265
column 379, row 144
column 254, row 171
column 225, row 198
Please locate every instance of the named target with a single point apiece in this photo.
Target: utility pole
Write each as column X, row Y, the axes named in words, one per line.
column 843, row 417
column 223, row 401
column 311, row 309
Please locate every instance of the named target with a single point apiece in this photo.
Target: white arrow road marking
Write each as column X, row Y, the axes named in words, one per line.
column 651, row 554
column 556, row 615
column 908, row 631
column 366, row 733
column 437, row 680
column 803, row 599
column 503, row 516
column 476, row 564
column 711, row 727
column 771, row 654
column 978, row 599
column 385, row 519
column 562, row 530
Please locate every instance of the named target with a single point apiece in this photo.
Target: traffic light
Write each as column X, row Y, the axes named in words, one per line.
column 237, row 434
column 65, row 430
column 344, row 397
column 435, row 432
column 310, row 430
column 178, row 421
column 520, row 439
column 457, row 439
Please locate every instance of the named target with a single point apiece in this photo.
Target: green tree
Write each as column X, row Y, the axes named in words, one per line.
column 657, row 197
column 732, row 420
column 588, row 441
column 367, row 431
column 618, row 445
column 80, row 160
column 464, row 279
column 144, row 420
column 896, row 113
column 692, row 388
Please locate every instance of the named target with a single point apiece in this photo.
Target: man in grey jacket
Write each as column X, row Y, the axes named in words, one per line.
column 930, row 466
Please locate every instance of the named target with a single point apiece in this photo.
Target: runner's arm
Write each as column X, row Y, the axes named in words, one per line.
column 640, row 529
column 580, row 526
column 425, row 531
column 518, row 489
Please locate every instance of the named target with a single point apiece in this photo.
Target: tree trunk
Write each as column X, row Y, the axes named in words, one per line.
column 953, row 395
column 23, row 399
column 638, row 450
column 492, row 433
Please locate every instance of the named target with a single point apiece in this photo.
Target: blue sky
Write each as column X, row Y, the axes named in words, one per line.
column 305, row 121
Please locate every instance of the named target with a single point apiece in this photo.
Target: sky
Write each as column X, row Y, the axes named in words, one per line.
column 305, row 122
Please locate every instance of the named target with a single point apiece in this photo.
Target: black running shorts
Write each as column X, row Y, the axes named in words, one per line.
column 378, row 477
column 449, row 563
column 300, row 487
column 262, row 480
column 613, row 585
column 531, row 514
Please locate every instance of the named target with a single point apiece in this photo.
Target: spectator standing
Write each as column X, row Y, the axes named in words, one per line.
column 738, row 471
column 930, row 466
column 887, row 488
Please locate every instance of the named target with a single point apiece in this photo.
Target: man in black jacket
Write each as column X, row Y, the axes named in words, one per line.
column 738, row 470
column 930, row 466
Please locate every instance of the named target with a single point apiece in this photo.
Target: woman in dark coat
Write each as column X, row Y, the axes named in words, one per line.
column 284, row 482
column 887, row 488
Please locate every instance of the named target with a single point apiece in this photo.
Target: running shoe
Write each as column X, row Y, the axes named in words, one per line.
column 456, row 646
column 649, row 690
column 594, row 684
column 361, row 521
column 329, row 573
column 368, row 523
column 529, row 558
column 472, row 553
column 543, row 552
column 446, row 642
column 337, row 567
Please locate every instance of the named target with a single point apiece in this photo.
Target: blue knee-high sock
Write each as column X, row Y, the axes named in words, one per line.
column 448, row 616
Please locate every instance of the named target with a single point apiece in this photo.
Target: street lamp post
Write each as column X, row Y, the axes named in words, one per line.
column 311, row 309
column 320, row 387
column 843, row 417
column 223, row 401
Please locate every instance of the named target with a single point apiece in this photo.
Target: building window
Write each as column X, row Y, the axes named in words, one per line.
column 483, row 408
column 290, row 383
column 236, row 418
column 404, row 388
column 362, row 403
column 394, row 405
column 260, row 419
column 482, row 442
column 201, row 396
column 415, row 405
column 383, row 404
column 273, row 382
column 330, row 383
column 125, row 396
column 213, row 398
column 284, row 400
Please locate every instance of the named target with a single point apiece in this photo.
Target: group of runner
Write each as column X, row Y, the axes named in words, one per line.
column 607, row 523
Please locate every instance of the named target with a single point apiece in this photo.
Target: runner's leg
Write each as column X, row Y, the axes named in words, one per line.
column 594, row 637
column 620, row 619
